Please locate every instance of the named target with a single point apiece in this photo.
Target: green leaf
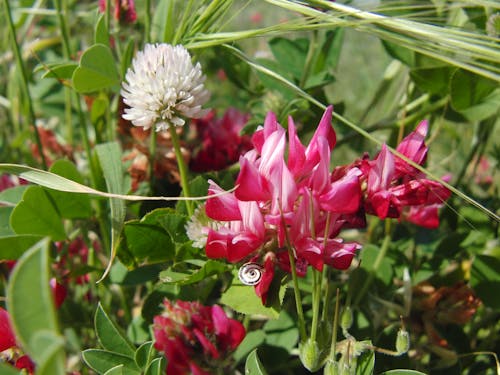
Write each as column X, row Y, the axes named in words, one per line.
column 485, row 279
column 69, row 205
column 101, row 31
column 6, row 369
column 282, row 332
column 5, row 229
column 366, row 362
column 110, row 335
column 329, row 54
column 148, row 242
column 468, row 89
column 32, row 310
column 96, row 71
column 49, row 348
column 15, row 246
column 157, row 367
column 290, row 54
column 117, row 370
column 242, row 298
column 13, row 195
column 144, row 354
column 251, row 341
column 60, row 71
column 169, row 220
column 385, row 271
column 435, row 80
column 403, row 372
column 109, row 155
column 253, row 366
column 405, row 55
column 210, row 268
column 36, row 214
column 101, row 361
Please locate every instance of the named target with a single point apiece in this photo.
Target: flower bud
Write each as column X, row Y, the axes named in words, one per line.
column 402, row 342
column 311, row 355
column 346, row 318
column 331, row 368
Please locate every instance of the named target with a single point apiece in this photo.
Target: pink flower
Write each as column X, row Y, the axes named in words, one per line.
column 8, row 341
column 396, row 189
column 195, row 338
column 285, row 189
column 124, row 10
column 221, row 142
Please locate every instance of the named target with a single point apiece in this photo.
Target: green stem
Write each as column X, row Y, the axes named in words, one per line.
column 309, row 59
column 316, row 301
column 295, row 280
column 182, row 168
column 24, row 82
column 334, row 328
column 376, row 264
column 152, row 158
column 147, row 21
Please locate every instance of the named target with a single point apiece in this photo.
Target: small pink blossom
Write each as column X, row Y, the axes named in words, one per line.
column 285, row 189
column 124, row 10
column 195, row 338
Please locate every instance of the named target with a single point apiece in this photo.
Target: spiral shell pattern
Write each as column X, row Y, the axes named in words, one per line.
column 250, row 273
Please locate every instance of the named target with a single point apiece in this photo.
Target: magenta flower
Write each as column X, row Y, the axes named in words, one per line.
column 396, row 189
column 124, row 10
column 285, row 192
column 8, row 341
column 221, row 142
column 195, row 339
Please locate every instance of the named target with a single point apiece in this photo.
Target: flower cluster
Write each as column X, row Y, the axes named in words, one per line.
column 124, row 10
column 9, row 349
column 293, row 209
column 195, row 338
column 220, row 141
column 162, row 87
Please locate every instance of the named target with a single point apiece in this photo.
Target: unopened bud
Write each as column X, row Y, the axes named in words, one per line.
column 402, row 342
column 346, row 318
column 310, row 355
column 331, row 368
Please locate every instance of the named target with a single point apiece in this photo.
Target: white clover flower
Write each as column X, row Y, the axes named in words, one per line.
column 196, row 228
column 161, row 86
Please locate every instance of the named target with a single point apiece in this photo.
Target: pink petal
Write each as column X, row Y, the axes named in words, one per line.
column 252, row 186
column 223, row 207
column 7, row 337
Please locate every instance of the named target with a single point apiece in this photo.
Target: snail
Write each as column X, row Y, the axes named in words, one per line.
column 250, row 273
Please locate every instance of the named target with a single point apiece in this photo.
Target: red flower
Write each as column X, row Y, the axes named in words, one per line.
column 398, row 190
column 277, row 196
column 124, row 10
column 8, row 341
column 195, row 338
column 221, row 142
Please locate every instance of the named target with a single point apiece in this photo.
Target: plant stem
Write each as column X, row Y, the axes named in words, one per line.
column 376, row 264
column 152, row 158
column 147, row 21
column 24, row 82
column 316, row 302
column 182, row 168
column 298, row 300
column 334, row 328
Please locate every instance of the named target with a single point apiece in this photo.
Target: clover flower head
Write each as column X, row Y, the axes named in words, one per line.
column 163, row 86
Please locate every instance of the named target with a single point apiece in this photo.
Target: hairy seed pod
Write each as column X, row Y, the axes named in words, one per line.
column 250, row 273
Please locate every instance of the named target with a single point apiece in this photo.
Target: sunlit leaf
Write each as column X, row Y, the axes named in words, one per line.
column 32, row 311
column 253, row 365
column 37, row 215
column 96, row 71
column 110, row 335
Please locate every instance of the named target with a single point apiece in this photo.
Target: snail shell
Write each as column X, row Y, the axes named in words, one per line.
column 250, row 273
